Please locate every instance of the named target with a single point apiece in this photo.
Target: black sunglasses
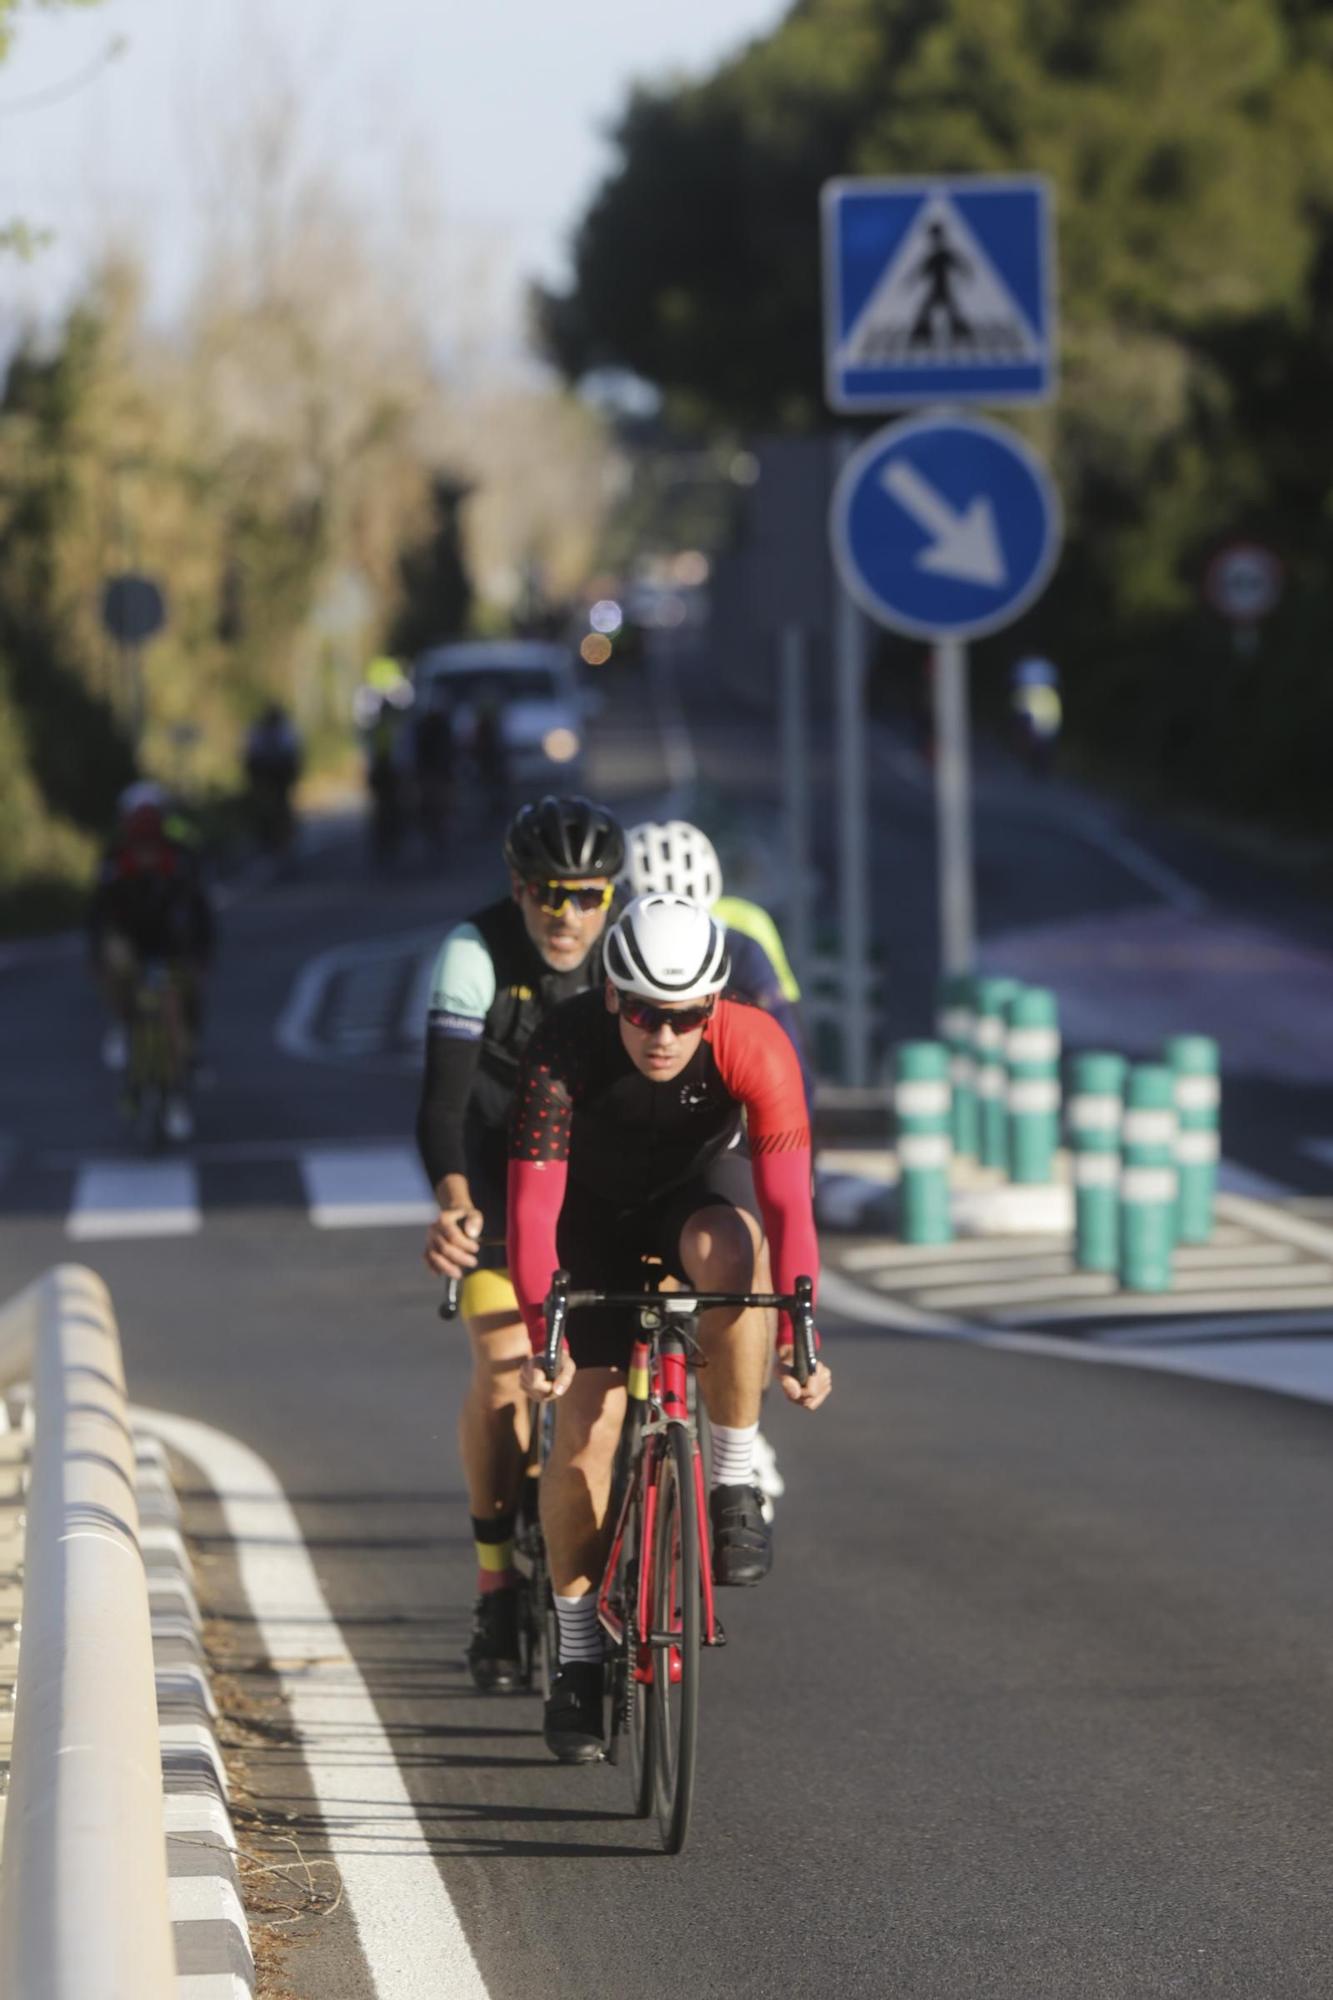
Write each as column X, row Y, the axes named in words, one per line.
column 647, row 1015
column 551, row 897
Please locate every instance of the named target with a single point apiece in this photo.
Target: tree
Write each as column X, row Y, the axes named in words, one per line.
column 1192, row 171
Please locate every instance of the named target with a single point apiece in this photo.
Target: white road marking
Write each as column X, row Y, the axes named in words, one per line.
column 134, row 1198
column 295, row 1032
column 1268, row 1221
column 1288, row 1367
column 1137, row 861
column 366, row 1188
column 1166, row 1305
column 905, row 1257
column 1225, row 1326
column 1071, row 1286
column 1066, row 1295
column 408, row 1928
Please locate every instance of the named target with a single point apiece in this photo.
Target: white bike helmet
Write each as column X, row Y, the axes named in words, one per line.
column 667, row 948
column 672, row 859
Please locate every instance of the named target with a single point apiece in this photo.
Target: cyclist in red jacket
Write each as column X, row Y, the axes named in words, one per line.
column 626, row 1142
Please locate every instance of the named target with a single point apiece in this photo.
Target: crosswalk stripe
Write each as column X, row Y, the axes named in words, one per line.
column 121, row 1198
column 365, row 1187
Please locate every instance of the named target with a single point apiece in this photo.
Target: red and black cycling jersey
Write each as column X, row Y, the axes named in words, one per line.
column 150, row 893
column 586, row 1116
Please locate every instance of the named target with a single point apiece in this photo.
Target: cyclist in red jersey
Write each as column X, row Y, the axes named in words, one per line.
column 627, row 1142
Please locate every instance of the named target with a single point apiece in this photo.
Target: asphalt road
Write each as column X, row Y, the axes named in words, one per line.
column 1037, row 1699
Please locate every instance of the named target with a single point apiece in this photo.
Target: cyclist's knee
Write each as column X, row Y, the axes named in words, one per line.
column 590, row 1415
column 499, row 1345
column 720, row 1248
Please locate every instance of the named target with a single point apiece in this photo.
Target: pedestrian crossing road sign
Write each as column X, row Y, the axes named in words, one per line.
column 938, row 291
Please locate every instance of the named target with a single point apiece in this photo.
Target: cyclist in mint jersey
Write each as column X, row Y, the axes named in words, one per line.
column 497, row 977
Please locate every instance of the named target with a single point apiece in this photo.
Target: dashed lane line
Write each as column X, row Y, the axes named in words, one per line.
column 365, row 1190
column 121, row 1198
column 409, row 1930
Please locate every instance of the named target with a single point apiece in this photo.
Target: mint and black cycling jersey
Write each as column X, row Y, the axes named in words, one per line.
column 483, row 1013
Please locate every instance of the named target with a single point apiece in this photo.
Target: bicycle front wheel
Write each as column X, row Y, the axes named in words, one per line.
column 675, row 1637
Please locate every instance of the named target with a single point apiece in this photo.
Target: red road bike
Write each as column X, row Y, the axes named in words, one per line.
column 655, row 1601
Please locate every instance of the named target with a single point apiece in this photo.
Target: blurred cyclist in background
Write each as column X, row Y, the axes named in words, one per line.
column 433, row 764
column 1037, row 712
column 272, row 767
column 150, row 905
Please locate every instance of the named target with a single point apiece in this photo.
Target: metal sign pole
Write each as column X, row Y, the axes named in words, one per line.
column 796, row 793
column 853, row 883
column 953, row 808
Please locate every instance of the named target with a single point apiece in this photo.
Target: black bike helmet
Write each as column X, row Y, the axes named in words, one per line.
column 558, row 839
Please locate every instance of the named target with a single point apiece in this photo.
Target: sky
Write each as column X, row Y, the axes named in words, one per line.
column 487, row 115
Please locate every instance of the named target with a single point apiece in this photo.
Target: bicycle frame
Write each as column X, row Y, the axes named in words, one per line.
column 658, row 1373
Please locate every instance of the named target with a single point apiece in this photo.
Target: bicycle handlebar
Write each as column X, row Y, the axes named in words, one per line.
column 798, row 1304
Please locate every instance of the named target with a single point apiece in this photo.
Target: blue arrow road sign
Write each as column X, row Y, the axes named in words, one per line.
column 938, row 292
column 945, row 527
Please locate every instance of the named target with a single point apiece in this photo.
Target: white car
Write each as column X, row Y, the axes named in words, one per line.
column 543, row 712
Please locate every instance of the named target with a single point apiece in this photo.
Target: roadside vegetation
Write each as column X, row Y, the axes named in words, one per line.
column 295, row 463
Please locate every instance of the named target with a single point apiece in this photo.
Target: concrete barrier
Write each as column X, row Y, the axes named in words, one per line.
column 83, row 1880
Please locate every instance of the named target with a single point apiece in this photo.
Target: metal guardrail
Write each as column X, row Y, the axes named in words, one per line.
column 83, row 1876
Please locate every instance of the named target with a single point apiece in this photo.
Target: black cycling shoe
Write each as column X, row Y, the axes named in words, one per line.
column 572, row 1724
column 742, row 1538
column 493, row 1651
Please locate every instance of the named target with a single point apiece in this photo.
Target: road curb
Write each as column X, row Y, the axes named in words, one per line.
column 214, row 1956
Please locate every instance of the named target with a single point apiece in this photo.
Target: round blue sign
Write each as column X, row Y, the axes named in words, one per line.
column 945, row 527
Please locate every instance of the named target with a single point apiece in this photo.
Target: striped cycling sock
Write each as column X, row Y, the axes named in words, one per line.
column 494, row 1543
column 733, row 1454
column 580, row 1634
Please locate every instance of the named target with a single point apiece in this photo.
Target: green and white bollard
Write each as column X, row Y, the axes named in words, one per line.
column 921, row 1105
column 1093, row 1116
column 954, row 1025
column 1195, row 1064
column 1032, row 1052
column 991, row 998
column 1148, row 1179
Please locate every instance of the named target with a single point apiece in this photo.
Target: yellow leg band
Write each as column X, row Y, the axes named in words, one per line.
column 494, row 1556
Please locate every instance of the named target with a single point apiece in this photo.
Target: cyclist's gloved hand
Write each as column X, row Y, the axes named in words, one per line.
column 451, row 1242
column 533, row 1380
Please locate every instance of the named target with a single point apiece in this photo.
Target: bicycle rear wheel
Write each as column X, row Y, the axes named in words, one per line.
column 675, row 1638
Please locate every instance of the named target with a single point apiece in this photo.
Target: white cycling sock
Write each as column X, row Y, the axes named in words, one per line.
column 580, row 1634
column 733, row 1454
